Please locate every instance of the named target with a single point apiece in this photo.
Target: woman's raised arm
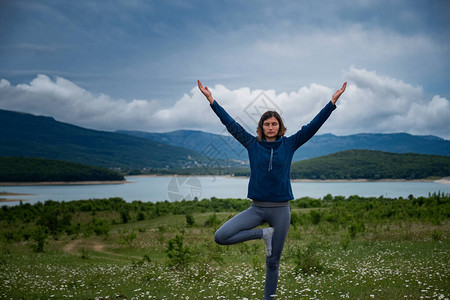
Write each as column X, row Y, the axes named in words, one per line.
column 307, row 131
column 338, row 93
column 232, row 126
column 205, row 91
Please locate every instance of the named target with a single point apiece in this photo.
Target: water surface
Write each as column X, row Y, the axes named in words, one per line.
column 173, row 188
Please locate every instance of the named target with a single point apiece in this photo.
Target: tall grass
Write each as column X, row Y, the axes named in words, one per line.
column 356, row 248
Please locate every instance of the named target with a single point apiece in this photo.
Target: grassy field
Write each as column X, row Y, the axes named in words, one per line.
column 173, row 256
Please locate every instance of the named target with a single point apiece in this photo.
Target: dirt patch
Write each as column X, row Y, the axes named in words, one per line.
column 98, row 247
column 74, row 247
column 69, row 247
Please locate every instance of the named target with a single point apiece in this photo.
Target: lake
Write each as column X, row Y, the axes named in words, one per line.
column 173, row 188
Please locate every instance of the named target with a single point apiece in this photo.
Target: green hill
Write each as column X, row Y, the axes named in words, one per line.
column 36, row 136
column 368, row 164
column 24, row 169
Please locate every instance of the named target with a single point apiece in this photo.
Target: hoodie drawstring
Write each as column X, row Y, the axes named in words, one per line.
column 270, row 161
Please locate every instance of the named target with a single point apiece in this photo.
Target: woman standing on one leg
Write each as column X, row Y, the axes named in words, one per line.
column 270, row 155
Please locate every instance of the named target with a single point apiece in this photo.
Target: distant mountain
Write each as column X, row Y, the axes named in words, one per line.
column 37, row 136
column 319, row 145
column 212, row 145
column 368, row 164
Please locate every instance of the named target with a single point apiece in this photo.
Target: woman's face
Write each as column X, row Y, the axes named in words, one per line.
column 271, row 127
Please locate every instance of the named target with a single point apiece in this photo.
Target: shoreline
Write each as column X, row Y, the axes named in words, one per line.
column 62, row 183
column 11, row 200
column 13, row 194
column 443, row 180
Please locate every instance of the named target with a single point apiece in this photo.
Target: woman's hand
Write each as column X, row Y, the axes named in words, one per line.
column 205, row 91
column 338, row 93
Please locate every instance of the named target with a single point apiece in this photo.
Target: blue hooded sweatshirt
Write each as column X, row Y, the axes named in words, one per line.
column 270, row 162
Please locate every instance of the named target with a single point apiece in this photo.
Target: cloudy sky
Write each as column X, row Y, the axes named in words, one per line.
column 125, row 64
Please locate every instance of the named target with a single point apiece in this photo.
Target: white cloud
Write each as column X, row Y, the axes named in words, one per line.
column 372, row 103
column 4, row 83
column 67, row 102
column 375, row 103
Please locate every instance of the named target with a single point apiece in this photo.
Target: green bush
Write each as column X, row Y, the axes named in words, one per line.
column 125, row 215
column 178, row 254
column 140, row 216
column 190, row 221
column 212, row 221
column 100, row 227
column 315, row 216
column 354, row 228
column 307, row 261
column 128, row 238
column 39, row 238
column 55, row 217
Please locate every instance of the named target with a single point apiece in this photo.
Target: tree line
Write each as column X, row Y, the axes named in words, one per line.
column 25, row 169
column 373, row 165
column 55, row 218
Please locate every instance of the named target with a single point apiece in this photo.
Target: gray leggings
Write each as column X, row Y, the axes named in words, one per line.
column 240, row 229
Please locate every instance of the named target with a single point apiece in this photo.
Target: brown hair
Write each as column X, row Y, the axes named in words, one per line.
column 267, row 115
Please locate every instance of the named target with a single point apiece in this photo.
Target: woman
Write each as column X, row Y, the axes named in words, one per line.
column 269, row 187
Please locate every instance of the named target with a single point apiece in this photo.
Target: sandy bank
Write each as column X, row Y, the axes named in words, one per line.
column 13, row 194
column 445, row 180
column 177, row 175
column 62, row 183
column 365, row 180
column 11, row 200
